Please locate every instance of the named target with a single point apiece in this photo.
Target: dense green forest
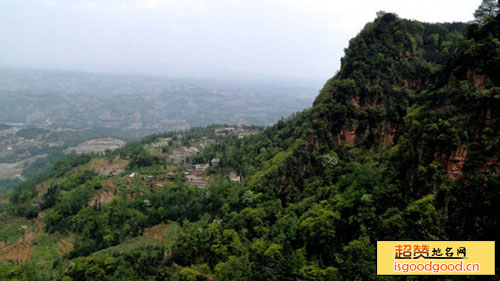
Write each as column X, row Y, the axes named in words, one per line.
column 401, row 144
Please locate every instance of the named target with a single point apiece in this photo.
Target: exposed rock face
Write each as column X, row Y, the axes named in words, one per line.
column 348, row 134
column 390, row 137
column 488, row 165
column 405, row 54
column 387, row 133
column 456, row 162
column 476, row 79
column 312, row 142
column 355, row 100
column 413, row 84
column 487, row 117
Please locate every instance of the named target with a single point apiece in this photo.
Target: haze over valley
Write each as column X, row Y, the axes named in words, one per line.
column 45, row 112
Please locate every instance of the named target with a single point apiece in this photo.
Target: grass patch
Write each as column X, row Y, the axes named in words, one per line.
column 50, row 265
column 11, row 230
column 130, row 244
column 173, row 231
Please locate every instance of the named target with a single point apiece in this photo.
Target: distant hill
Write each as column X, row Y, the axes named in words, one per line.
column 59, row 99
column 5, row 126
column 42, row 113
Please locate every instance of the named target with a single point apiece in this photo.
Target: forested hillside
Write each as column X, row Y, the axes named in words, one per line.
column 401, row 144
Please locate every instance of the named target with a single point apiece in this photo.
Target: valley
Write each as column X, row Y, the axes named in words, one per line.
column 45, row 115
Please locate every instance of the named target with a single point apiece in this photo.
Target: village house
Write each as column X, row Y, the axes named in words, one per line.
column 233, row 177
column 194, row 150
column 188, row 167
column 224, row 131
column 214, row 161
column 161, row 142
column 198, row 181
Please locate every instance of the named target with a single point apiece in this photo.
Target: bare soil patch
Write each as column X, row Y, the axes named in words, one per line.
column 157, row 232
column 21, row 250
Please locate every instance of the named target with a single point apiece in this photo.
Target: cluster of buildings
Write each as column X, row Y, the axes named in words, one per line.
column 240, row 132
column 196, row 173
column 178, row 155
column 161, row 143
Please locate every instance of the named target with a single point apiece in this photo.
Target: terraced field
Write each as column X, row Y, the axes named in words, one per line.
column 21, row 250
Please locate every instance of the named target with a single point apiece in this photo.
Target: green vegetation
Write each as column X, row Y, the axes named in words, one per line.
column 10, row 230
column 402, row 144
column 8, row 184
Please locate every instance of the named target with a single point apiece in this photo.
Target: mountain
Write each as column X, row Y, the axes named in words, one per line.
column 401, row 144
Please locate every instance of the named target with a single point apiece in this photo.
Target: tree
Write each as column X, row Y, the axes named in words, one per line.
column 49, row 197
column 236, row 268
column 486, row 11
column 318, row 227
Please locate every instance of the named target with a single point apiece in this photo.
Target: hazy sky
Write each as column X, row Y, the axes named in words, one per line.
column 294, row 38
